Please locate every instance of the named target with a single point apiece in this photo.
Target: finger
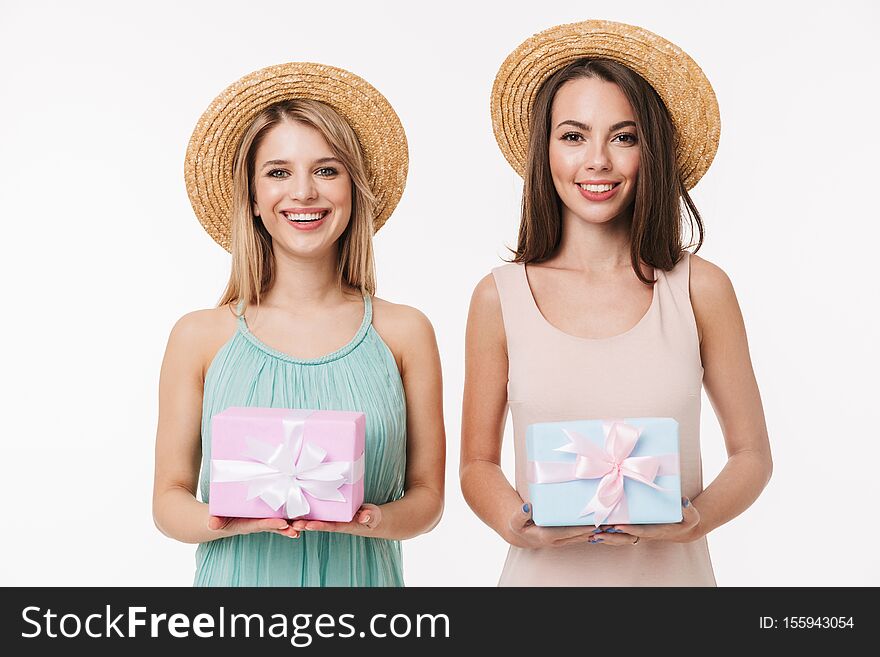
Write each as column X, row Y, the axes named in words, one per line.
column 689, row 514
column 522, row 517
column 617, row 539
column 272, row 523
column 632, row 530
column 216, row 522
column 553, row 534
column 288, row 531
column 369, row 518
column 321, row 526
column 594, row 535
column 583, row 538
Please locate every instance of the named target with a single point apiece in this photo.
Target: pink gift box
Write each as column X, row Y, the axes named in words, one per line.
column 287, row 463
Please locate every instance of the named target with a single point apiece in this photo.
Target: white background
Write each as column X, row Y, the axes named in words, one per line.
column 101, row 253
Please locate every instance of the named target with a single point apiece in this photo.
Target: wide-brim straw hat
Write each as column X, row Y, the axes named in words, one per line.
column 677, row 79
column 211, row 152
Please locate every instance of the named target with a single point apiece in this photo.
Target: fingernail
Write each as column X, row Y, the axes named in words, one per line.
column 597, row 540
column 525, row 508
column 366, row 519
column 685, row 501
column 613, row 531
column 599, row 531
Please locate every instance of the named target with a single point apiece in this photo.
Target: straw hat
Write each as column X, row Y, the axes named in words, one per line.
column 678, row 80
column 211, row 152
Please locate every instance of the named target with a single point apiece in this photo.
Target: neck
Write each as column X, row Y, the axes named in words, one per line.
column 594, row 247
column 304, row 281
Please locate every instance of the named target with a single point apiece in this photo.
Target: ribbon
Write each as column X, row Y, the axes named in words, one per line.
column 280, row 474
column 613, row 464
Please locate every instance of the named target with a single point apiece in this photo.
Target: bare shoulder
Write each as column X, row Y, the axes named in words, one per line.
column 485, row 297
column 198, row 335
column 712, row 294
column 708, row 281
column 485, row 310
column 485, row 325
column 399, row 318
column 403, row 328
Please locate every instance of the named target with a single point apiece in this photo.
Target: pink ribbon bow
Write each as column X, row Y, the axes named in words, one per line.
column 612, row 464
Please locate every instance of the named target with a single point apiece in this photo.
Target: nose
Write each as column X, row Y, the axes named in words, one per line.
column 596, row 156
column 301, row 187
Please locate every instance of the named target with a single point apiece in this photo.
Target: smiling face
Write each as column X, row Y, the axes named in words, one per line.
column 302, row 191
column 593, row 150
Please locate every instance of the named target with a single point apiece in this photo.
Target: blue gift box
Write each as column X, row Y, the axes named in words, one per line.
column 565, row 494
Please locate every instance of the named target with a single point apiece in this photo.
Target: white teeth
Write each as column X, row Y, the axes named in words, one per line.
column 312, row 216
column 597, row 188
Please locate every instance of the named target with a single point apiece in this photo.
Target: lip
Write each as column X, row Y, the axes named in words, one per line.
column 312, row 225
column 304, row 210
column 598, row 196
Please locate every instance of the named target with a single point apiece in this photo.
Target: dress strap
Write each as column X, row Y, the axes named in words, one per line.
column 368, row 310
column 522, row 320
column 239, row 313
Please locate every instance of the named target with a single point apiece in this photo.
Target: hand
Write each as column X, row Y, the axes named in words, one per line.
column 528, row 534
column 234, row 526
column 364, row 522
column 677, row 532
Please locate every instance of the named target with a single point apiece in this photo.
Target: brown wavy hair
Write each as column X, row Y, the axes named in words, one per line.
column 253, row 262
column 661, row 200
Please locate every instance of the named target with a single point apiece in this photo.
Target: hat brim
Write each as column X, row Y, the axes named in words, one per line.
column 679, row 82
column 210, row 155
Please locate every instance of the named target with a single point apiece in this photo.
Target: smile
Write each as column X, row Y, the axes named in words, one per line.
column 305, row 217
column 597, row 188
column 598, row 192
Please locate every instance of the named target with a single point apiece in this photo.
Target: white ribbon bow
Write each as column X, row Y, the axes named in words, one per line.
column 280, row 473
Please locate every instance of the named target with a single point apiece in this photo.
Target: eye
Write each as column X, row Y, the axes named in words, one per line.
column 630, row 138
column 272, row 173
column 326, row 172
column 571, row 136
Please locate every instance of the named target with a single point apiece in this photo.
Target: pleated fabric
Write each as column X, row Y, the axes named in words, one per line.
column 361, row 376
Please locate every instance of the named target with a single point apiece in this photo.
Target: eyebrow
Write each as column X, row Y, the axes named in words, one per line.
column 586, row 128
column 323, row 160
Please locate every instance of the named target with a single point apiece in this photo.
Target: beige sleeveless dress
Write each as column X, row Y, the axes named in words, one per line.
column 652, row 370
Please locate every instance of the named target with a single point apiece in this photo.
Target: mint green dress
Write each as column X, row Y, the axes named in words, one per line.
column 361, row 376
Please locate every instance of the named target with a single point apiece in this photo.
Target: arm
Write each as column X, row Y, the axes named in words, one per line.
column 732, row 390
column 730, row 384
column 420, row 508
column 176, row 511
column 484, row 408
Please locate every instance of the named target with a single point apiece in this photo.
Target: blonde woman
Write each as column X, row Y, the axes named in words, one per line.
column 292, row 169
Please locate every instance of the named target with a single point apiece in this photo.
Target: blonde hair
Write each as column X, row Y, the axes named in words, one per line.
column 253, row 263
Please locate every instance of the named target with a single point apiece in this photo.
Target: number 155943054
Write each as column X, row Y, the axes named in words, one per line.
column 806, row 622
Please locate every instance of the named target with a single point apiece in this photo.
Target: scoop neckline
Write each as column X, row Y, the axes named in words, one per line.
column 244, row 329
column 648, row 313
